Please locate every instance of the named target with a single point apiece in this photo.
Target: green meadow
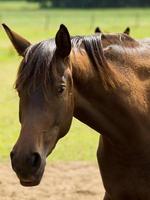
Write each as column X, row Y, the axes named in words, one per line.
column 36, row 25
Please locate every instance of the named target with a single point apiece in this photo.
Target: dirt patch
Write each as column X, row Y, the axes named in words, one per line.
column 61, row 181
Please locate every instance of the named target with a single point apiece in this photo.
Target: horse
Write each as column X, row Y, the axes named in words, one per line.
column 104, row 81
column 126, row 31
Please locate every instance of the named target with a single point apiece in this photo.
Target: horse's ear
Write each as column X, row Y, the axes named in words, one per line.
column 127, row 31
column 63, row 42
column 98, row 30
column 18, row 42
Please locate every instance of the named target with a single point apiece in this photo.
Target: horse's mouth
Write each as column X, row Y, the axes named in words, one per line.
column 32, row 181
column 28, row 183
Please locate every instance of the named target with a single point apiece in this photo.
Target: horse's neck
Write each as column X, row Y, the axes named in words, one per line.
column 111, row 113
column 85, row 91
column 91, row 97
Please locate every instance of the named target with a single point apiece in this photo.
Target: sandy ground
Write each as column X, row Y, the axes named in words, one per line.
column 61, row 181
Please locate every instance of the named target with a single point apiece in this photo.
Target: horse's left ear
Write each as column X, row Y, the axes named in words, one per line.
column 98, row 30
column 18, row 41
column 63, row 42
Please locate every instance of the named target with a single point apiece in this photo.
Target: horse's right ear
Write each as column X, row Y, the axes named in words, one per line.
column 127, row 31
column 63, row 41
column 18, row 42
column 98, row 30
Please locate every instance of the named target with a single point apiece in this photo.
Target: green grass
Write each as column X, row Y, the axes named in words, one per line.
column 34, row 24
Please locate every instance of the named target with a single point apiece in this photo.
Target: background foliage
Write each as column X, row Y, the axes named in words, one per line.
column 93, row 3
column 89, row 3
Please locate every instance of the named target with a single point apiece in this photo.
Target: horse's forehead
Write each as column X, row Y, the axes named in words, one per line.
column 47, row 46
column 41, row 51
column 111, row 37
column 118, row 39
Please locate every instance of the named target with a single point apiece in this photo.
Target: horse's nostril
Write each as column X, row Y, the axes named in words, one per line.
column 35, row 160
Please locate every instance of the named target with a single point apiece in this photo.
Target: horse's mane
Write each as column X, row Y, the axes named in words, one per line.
column 96, row 46
column 35, row 69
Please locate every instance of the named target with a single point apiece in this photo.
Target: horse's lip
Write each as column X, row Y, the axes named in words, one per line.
column 32, row 181
column 28, row 183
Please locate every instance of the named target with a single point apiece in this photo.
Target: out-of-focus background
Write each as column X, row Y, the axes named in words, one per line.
column 37, row 20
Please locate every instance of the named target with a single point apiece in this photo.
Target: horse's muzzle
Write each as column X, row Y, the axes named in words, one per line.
column 28, row 167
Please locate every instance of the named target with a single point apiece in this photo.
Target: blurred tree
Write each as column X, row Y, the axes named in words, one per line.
column 100, row 3
column 92, row 3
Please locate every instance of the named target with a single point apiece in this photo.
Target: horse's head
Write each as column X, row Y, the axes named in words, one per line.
column 45, row 89
column 126, row 31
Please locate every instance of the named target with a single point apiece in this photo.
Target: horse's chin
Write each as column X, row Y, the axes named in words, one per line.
column 29, row 183
column 32, row 181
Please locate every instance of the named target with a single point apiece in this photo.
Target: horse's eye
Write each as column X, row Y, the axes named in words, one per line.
column 61, row 88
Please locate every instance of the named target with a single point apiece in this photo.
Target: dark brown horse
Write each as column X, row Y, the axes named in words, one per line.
column 102, row 80
column 126, row 31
